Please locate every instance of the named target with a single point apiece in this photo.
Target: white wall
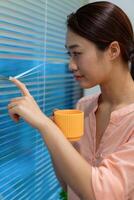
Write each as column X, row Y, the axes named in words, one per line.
column 128, row 7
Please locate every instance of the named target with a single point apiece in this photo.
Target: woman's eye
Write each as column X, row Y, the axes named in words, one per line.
column 73, row 54
column 76, row 54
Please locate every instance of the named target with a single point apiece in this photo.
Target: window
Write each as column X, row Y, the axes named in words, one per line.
column 32, row 34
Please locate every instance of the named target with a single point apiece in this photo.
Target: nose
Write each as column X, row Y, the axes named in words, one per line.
column 72, row 65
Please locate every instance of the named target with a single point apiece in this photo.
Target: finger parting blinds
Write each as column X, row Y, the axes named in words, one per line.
column 32, row 33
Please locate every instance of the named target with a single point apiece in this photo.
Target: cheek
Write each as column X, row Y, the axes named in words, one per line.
column 86, row 63
column 83, row 64
column 94, row 74
column 88, row 68
column 92, row 67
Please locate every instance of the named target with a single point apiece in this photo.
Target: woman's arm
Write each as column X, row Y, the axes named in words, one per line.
column 59, row 177
column 75, row 171
column 57, row 172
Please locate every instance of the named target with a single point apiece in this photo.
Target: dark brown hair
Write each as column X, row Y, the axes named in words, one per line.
column 102, row 23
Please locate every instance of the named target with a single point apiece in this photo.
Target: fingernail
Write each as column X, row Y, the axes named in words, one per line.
column 10, row 78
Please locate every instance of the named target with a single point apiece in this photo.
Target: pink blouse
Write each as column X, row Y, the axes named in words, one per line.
column 113, row 163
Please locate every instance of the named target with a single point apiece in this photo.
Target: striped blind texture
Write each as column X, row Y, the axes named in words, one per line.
column 32, row 32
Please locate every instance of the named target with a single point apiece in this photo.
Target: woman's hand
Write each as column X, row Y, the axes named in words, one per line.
column 25, row 107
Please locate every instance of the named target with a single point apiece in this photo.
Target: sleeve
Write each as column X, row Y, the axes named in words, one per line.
column 114, row 178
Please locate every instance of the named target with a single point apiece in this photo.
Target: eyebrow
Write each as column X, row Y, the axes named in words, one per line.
column 72, row 46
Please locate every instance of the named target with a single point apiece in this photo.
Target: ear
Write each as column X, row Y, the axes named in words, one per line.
column 114, row 50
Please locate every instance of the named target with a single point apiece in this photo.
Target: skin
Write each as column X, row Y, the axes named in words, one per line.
column 90, row 67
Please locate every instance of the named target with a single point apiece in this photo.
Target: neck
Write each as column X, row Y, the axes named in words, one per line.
column 119, row 89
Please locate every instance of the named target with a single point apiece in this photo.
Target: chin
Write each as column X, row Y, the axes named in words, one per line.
column 85, row 85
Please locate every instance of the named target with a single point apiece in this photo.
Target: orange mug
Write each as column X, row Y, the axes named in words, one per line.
column 71, row 123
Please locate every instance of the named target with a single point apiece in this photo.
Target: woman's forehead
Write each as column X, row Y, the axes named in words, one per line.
column 74, row 40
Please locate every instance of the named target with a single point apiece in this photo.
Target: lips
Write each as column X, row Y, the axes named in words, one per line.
column 78, row 77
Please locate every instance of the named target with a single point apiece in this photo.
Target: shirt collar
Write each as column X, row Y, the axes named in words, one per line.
column 116, row 115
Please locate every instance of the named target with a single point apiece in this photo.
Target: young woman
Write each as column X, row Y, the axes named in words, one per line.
column 100, row 42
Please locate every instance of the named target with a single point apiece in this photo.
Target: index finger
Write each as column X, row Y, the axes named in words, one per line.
column 21, row 86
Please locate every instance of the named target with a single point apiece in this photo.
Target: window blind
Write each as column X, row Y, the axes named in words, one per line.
column 32, row 33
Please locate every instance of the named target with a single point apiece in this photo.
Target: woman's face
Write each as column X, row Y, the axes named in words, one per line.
column 89, row 65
